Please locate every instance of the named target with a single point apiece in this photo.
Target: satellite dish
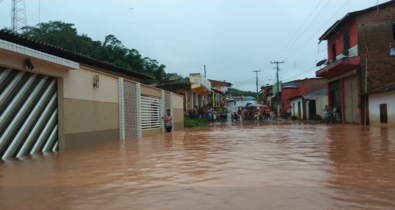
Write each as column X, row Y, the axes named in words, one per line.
column 321, row 62
column 174, row 77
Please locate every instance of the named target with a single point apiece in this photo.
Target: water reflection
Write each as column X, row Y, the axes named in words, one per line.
column 364, row 168
column 239, row 166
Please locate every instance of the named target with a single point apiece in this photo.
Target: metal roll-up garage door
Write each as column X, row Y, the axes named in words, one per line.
column 28, row 113
column 351, row 100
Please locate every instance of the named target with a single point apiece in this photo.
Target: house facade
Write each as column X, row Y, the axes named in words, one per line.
column 196, row 92
column 54, row 99
column 293, row 90
column 221, row 86
column 267, row 94
column 382, row 106
column 360, row 60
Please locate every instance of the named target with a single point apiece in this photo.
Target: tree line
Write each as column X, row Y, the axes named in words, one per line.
column 237, row 92
column 111, row 50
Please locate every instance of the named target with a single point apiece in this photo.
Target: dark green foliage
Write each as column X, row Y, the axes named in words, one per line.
column 237, row 92
column 345, row 52
column 112, row 50
column 197, row 122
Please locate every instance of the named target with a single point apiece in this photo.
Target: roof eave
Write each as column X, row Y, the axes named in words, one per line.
column 334, row 26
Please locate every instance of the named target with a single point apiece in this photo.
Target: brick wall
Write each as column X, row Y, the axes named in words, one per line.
column 285, row 95
column 317, row 84
column 311, row 84
column 304, row 87
column 375, row 37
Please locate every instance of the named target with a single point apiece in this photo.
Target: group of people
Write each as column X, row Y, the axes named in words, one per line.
column 207, row 112
column 331, row 114
column 254, row 113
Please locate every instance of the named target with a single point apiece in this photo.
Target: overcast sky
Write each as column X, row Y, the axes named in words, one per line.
column 231, row 37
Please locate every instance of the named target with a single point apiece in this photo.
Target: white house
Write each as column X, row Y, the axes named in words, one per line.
column 315, row 103
column 307, row 105
column 298, row 109
column 382, row 106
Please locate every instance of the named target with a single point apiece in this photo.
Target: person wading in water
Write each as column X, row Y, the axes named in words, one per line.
column 168, row 121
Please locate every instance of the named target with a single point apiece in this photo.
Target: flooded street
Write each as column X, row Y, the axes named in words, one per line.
column 244, row 166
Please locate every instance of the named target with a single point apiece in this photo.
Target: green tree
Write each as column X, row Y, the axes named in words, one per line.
column 237, row 92
column 65, row 35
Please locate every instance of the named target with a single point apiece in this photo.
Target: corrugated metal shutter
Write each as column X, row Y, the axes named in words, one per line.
column 351, row 100
column 28, row 113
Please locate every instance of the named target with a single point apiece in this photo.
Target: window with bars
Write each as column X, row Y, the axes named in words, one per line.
column 150, row 113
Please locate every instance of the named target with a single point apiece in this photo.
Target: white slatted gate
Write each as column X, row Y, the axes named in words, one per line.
column 150, row 113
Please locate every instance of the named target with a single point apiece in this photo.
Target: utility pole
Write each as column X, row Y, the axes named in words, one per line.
column 278, row 87
column 205, row 71
column 257, row 94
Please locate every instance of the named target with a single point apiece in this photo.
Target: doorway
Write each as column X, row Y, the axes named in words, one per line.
column 312, row 110
column 299, row 110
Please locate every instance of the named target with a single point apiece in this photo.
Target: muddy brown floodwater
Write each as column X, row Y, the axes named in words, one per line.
column 240, row 166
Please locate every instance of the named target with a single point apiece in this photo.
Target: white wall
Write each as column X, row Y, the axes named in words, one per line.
column 294, row 104
column 320, row 104
column 374, row 107
column 79, row 85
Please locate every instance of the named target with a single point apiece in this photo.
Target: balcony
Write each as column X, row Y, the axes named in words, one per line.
column 341, row 66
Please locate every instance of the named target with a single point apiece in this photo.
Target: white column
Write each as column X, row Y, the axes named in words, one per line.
column 197, row 99
column 138, row 111
column 171, row 108
column 162, row 109
column 121, row 101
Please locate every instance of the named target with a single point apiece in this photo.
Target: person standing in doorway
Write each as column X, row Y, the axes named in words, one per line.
column 168, row 121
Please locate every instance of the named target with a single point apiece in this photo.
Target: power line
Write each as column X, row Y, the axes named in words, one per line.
column 300, row 35
column 312, row 53
column 285, row 47
column 308, row 40
column 307, row 71
column 241, row 81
